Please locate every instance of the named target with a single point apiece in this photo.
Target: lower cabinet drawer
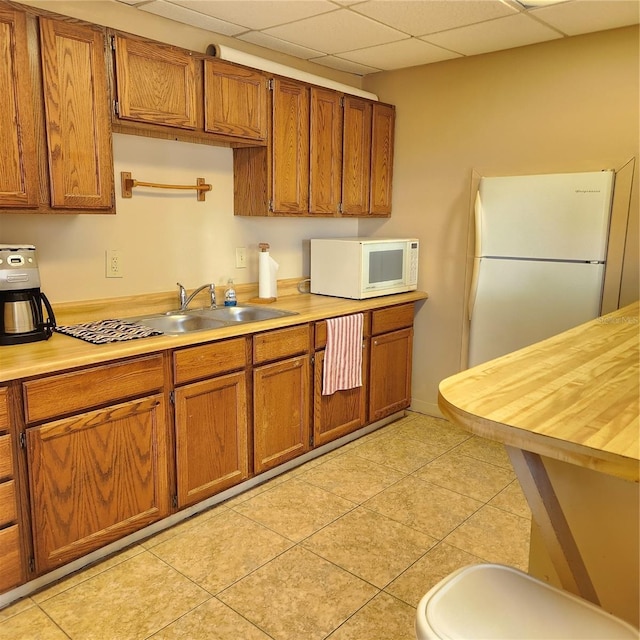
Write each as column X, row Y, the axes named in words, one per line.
column 8, row 512
column 6, row 461
column 392, row 318
column 10, row 560
column 281, row 343
column 67, row 393
column 206, row 361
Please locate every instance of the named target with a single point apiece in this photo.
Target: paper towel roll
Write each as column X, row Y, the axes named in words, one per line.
column 267, row 276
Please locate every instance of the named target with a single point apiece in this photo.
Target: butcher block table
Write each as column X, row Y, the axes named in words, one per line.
column 567, row 409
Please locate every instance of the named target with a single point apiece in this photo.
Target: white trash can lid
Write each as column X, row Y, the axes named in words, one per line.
column 496, row 602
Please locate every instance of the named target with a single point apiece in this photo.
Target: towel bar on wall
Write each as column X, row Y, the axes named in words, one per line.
column 128, row 183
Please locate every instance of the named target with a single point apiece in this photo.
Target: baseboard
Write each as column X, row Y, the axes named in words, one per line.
column 428, row 408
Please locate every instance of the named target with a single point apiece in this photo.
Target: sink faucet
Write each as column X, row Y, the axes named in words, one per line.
column 184, row 300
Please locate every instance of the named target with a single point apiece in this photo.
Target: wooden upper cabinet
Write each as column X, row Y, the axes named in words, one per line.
column 77, row 115
column 18, row 164
column 382, row 158
column 155, row 83
column 356, row 156
column 326, row 151
column 235, row 101
column 290, row 172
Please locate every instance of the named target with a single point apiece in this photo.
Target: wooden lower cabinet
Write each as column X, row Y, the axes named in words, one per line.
column 211, row 437
column 11, row 565
column 340, row 413
column 99, row 456
column 281, row 401
column 390, row 373
column 96, row 477
column 11, row 557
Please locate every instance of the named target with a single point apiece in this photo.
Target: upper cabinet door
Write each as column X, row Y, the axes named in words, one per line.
column 290, row 147
column 382, row 158
column 18, row 165
column 77, row 115
column 326, row 151
column 235, row 101
column 356, row 158
column 156, row 83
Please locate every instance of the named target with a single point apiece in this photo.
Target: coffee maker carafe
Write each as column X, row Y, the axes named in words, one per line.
column 21, row 315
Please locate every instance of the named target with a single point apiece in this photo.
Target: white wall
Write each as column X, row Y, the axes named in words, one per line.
column 164, row 236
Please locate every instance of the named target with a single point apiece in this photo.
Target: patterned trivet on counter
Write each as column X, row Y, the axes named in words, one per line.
column 104, row 331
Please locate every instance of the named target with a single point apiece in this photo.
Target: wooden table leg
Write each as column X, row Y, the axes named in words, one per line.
column 548, row 515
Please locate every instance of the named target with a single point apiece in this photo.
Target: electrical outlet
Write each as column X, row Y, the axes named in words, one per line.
column 113, row 264
column 241, row 258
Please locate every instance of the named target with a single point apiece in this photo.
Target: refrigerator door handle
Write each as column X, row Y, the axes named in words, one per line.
column 478, row 252
column 478, row 225
column 474, row 286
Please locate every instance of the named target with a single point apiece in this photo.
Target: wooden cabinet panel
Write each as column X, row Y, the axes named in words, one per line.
column 8, row 510
column 11, row 555
column 11, row 565
column 382, row 143
column 281, row 343
column 18, row 160
column 326, row 151
column 281, row 412
column 392, row 318
column 206, row 361
column 96, row 477
column 340, row 413
column 211, row 437
column 77, row 115
column 4, row 408
column 356, row 156
column 156, row 83
column 6, row 457
column 390, row 373
column 290, row 147
column 235, row 100
column 66, row 393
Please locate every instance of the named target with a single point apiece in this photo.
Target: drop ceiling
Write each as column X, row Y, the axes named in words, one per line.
column 367, row 36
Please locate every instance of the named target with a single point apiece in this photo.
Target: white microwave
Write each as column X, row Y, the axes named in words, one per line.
column 361, row 268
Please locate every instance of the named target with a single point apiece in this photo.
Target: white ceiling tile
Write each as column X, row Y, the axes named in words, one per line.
column 259, row 14
column 336, row 32
column 340, row 64
column 586, row 16
column 430, row 16
column 269, row 42
column 186, row 16
column 495, row 35
column 397, row 55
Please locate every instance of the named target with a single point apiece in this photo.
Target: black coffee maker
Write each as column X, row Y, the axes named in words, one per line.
column 21, row 316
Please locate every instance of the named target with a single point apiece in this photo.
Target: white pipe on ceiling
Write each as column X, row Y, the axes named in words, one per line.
column 233, row 55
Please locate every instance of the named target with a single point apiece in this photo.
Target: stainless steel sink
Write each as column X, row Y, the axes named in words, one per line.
column 243, row 313
column 177, row 322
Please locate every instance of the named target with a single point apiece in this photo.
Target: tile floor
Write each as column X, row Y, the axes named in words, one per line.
column 342, row 547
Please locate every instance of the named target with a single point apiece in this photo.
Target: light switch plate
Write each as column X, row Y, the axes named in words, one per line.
column 241, row 257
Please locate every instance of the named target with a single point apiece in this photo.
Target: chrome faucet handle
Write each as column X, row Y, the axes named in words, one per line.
column 182, row 293
column 212, row 295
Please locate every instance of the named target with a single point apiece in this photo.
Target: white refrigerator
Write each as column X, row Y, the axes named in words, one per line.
column 540, row 251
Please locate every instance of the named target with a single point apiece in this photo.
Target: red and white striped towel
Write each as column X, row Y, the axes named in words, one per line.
column 343, row 354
